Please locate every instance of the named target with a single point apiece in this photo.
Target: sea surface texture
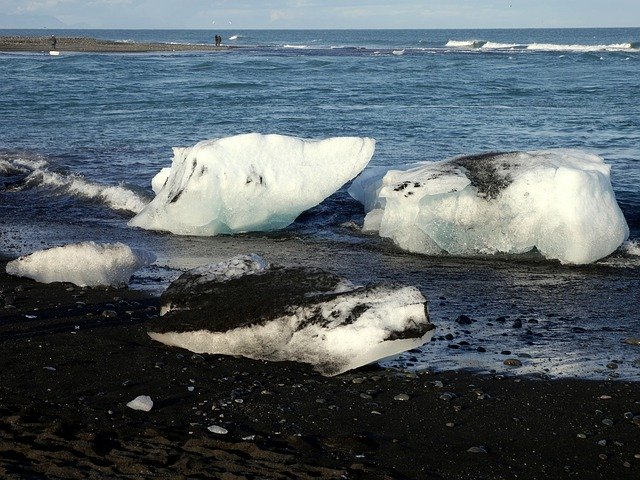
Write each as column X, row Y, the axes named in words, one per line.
column 82, row 135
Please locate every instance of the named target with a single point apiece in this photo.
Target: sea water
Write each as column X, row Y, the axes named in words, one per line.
column 82, row 135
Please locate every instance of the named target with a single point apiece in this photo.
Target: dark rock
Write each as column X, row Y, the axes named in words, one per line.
column 464, row 320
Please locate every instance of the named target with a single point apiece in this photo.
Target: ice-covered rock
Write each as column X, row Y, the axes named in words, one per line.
column 84, row 264
column 183, row 287
column 557, row 201
column 250, row 182
column 298, row 314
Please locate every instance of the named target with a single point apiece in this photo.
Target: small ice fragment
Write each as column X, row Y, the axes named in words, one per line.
column 218, row 430
column 84, row 264
column 141, row 402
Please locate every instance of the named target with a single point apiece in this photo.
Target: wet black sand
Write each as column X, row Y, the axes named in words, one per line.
column 85, row 44
column 67, row 374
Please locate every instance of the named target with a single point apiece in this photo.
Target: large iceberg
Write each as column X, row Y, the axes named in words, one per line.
column 250, row 182
column 84, row 264
column 247, row 306
column 557, row 201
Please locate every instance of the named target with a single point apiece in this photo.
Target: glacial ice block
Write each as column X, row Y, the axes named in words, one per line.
column 248, row 307
column 250, row 182
column 558, row 201
column 84, row 264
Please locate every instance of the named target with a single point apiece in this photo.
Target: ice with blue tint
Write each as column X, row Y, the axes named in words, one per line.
column 250, row 182
column 557, row 201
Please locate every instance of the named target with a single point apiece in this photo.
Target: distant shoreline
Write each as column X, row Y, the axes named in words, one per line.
column 20, row 43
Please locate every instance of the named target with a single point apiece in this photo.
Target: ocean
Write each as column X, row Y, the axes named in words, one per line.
column 82, row 134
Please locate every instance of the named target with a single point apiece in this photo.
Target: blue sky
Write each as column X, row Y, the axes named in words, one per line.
column 245, row 14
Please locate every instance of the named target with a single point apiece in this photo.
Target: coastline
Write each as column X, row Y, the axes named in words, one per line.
column 73, row 357
column 94, row 45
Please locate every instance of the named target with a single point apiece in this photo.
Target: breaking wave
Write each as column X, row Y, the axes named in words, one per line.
column 542, row 47
column 36, row 173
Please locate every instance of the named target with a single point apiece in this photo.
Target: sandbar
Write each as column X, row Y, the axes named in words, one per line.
column 86, row 44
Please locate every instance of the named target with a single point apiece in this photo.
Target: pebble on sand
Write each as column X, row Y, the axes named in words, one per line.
column 512, row 362
column 141, row 402
column 479, row 449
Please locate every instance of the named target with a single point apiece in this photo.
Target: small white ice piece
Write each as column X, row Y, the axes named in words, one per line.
column 218, row 430
column 249, row 182
column 84, row 264
column 142, row 402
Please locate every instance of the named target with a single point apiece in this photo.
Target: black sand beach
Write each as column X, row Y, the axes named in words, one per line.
column 73, row 357
column 84, row 44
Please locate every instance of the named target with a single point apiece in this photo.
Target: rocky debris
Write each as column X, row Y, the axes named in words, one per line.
column 464, row 320
column 512, row 362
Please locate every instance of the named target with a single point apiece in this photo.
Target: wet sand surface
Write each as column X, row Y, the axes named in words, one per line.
column 72, row 358
column 83, row 44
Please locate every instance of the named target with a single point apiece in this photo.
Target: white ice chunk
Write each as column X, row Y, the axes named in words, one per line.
column 558, row 201
column 217, row 429
column 160, row 180
column 337, row 335
column 142, row 402
column 84, row 264
column 235, row 267
column 250, row 182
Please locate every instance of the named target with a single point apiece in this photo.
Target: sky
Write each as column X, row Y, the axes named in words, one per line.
column 322, row 14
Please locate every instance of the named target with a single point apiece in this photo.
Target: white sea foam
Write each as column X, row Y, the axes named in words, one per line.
column 542, row 47
column 465, row 43
column 10, row 168
column 301, row 47
column 14, row 165
column 500, row 46
column 38, row 174
column 559, row 201
column 632, row 247
column 116, row 197
column 550, row 47
column 250, row 182
column 83, row 264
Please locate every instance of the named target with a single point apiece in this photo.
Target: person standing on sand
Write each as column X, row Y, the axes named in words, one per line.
column 53, row 42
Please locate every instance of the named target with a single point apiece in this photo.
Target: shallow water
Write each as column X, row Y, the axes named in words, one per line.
column 86, row 122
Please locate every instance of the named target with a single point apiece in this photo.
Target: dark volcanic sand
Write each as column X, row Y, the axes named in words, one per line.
column 83, row 44
column 67, row 375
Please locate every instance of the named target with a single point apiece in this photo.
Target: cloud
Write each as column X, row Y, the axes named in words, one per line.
column 276, row 15
column 36, row 6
